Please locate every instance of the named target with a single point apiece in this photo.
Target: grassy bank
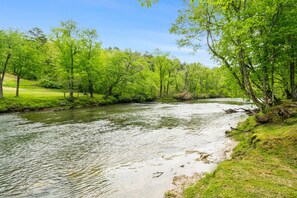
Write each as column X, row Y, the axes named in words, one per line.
column 33, row 97
column 264, row 164
column 29, row 103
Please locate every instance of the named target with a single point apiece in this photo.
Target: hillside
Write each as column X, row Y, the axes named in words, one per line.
column 33, row 97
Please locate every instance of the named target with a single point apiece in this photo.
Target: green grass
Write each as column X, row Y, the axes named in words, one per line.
column 33, row 97
column 28, row 89
column 10, row 81
column 30, row 102
column 264, row 164
column 36, row 92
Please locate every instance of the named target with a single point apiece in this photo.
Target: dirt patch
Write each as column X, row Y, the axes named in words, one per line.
column 227, row 154
column 181, row 182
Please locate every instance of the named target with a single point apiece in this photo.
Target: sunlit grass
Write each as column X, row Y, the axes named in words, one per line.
column 34, row 97
column 10, row 81
column 36, row 92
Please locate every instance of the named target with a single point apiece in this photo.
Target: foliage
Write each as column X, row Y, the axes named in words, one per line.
column 45, row 83
column 71, row 59
column 254, row 40
column 36, row 98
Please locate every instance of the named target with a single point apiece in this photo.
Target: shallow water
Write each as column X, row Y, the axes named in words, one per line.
column 129, row 150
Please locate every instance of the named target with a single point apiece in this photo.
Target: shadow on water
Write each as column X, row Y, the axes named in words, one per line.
column 82, row 115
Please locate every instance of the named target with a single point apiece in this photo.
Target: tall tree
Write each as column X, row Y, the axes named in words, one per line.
column 161, row 64
column 250, row 38
column 8, row 41
column 121, row 68
column 66, row 38
column 26, row 59
column 89, row 56
column 237, row 35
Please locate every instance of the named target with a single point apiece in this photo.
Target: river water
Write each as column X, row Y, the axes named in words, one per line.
column 131, row 150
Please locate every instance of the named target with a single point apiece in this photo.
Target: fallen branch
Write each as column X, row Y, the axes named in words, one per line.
column 247, row 111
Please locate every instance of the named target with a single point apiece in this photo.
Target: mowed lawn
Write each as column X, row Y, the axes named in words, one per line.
column 28, row 89
column 34, row 97
column 32, row 92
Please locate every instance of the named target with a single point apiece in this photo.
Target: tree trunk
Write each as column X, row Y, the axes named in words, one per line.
column 265, row 78
column 18, row 86
column 90, row 85
column 1, row 89
column 161, row 88
column 245, row 76
column 71, row 93
column 265, row 90
column 273, row 98
column 167, row 90
column 109, row 91
column 186, row 81
column 272, row 84
column 288, row 93
column 292, row 80
column 71, row 77
column 3, row 74
column 91, row 90
column 223, row 59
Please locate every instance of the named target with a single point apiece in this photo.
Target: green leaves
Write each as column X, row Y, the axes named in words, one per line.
column 248, row 37
column 147, row 3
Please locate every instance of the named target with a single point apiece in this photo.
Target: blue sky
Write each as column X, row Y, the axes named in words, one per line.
column 120, row 23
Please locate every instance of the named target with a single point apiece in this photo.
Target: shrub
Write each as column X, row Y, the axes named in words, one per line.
column 50, row 84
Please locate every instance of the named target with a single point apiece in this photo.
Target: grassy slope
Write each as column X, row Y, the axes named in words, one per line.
column 33, row 97
column 264, row 164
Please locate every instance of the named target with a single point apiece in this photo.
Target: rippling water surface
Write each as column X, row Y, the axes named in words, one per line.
column 129, row 150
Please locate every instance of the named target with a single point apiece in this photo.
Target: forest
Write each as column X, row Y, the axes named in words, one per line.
column 71, row 59
column 254, row 42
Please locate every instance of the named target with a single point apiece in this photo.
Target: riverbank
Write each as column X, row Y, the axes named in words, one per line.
column 34, row 103
column 264, row 164
column 33, row 97
column 47, row 99
column 37, row 98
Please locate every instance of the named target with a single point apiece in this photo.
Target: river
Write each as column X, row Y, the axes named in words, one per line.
column 131, row 150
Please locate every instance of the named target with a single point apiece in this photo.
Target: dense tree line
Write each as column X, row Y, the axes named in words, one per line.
column 254, row 40
column 72, row 59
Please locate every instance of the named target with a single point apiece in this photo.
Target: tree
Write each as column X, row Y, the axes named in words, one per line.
column 36, row 34
column 172, row 70
column 5, row 56
column 239, row 36
column 161, row 64
column 8, row 41
column 121, row 68
column 26, row 59
column 89, row 56
column 66, row 39
column 255, row 40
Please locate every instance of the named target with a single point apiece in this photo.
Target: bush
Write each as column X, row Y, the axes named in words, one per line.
column 50, row 84
column 125, row 98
